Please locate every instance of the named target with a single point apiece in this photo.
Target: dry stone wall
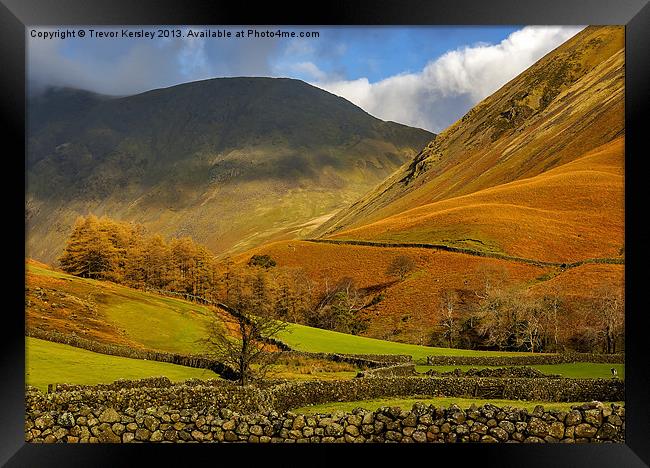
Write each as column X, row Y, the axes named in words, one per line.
column 294, row 395
column 594, row 422
column 396, row 370
column 284, row 396
column 517, row 372
column 528, row 360
column 366, row 361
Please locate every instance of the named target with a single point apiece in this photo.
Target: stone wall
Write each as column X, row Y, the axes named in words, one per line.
column 516, row 372
column 390, row 371
column 594, row 422
column 284, row 396
column 528, row 360
column 365, row 361
column 294, row 395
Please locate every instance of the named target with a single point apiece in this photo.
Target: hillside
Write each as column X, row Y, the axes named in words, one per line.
column 566, row 214
column 411, row 310
column 564, row 106
column 204, row 159
column 52, row 363
column 534, row 171
column 108, row 313
column 112, row 314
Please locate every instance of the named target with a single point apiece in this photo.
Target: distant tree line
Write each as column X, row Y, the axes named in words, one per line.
column 105, row 249
column 496, row 316
column 512, row 319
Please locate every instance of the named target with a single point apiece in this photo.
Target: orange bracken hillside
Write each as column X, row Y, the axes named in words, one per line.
column 534, row 171
column 411, row 309
column 568, row 103
column 566, row 214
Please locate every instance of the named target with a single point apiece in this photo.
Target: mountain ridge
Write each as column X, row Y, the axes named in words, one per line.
column 510, row 134
column 190, row 159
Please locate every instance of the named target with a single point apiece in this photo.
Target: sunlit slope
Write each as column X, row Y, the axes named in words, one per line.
column 568, row 103
column 232, row 162
column 316, row 340
column 110, row 313
column 570, row 213
column 411, row 308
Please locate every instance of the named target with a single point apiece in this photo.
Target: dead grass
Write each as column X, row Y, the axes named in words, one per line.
column 566, row 214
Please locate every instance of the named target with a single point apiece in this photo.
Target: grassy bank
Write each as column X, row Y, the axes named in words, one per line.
column 48, row 363
column 305, row 338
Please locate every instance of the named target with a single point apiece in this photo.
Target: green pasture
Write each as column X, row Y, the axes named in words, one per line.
column 49, row 363
column 574, row 370
column 305, row 338
column 445, row 402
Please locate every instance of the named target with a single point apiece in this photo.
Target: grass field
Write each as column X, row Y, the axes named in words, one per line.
column 407, row 404
column 305, row 338
column 579, row 370
column 112, row 313
column 49, row 363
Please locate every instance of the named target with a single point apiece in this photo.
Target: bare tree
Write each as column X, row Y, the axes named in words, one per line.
column 401, row 266
column 529, row 329
column 611, row 317
column 493, row 279
column 244, row 340
column 552, row 304
column 338, row 309
column 449, row 322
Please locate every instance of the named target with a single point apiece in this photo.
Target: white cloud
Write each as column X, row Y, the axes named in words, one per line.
column 192, row 56
column 308, row 68
column 447, row 87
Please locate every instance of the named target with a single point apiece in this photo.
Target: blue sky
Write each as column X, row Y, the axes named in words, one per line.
column 422, row 76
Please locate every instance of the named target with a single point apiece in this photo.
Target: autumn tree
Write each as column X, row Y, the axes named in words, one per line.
column 294, row 294
column 89, row 252
column 400, row 267
column 252, row 319
column 156, row 262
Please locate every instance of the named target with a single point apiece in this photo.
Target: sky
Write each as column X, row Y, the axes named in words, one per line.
column 426, row 77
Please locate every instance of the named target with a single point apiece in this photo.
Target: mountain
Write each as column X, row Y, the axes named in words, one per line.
column 534, row 170
column 527, row 190
column 231, row 162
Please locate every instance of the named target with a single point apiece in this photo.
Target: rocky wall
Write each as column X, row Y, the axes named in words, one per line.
column 595, row 422
column 527, row 360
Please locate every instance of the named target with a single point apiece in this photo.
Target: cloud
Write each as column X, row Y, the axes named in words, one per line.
column 432, row 98
column 128, row 67
column 192, row 57
column 307, row 68
column 447, row 87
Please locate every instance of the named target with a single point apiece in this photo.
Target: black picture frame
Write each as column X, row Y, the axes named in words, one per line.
column 16, row 15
